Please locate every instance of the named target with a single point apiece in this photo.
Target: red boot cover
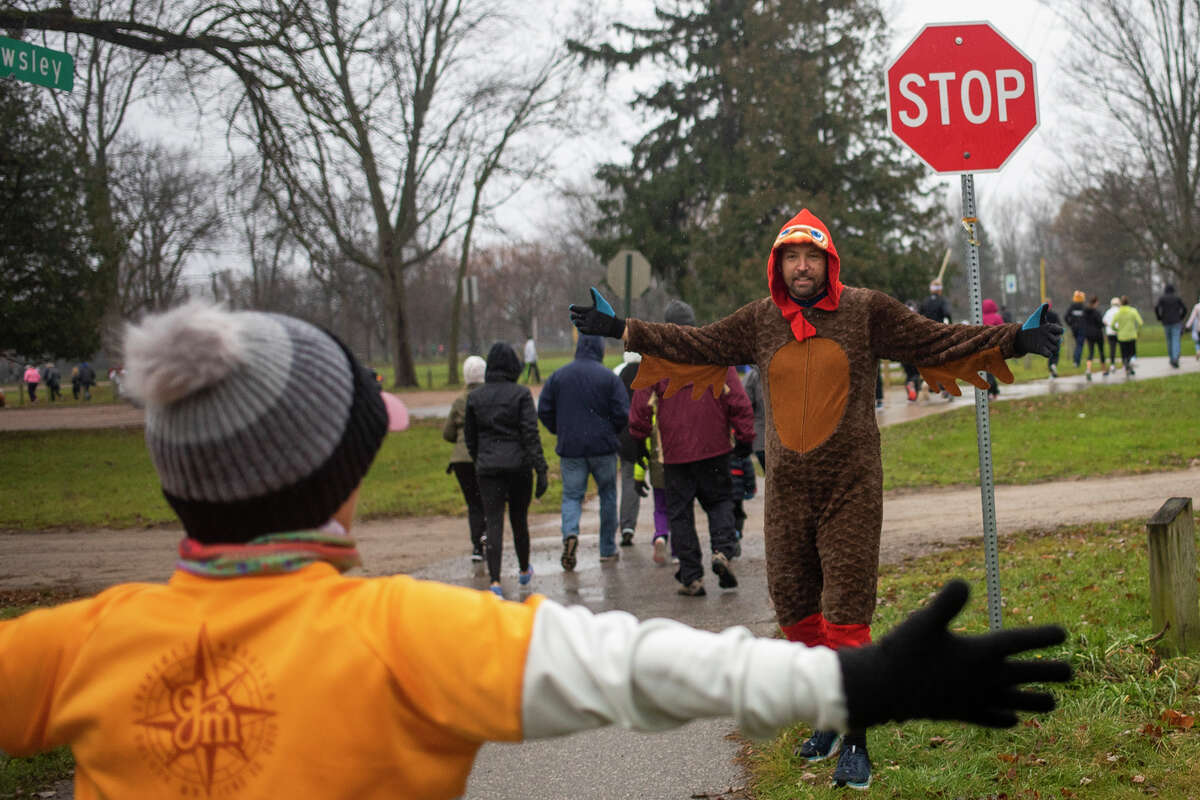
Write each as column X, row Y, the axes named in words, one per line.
column 839, row 636
column 809, row 631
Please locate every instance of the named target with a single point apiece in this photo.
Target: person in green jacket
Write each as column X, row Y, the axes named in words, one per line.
column 461, row 464
column 1127, row 321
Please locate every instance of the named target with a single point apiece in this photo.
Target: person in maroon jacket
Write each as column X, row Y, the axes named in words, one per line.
column 695, row 450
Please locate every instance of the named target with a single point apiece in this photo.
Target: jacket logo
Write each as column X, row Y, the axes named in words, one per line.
column 205, row 719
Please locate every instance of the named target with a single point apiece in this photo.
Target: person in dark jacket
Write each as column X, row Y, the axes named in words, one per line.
column 1170, row 311
column 1093, row 333
column 502, row 437
column 87, row 379
column 696, row 448
column 585, row 405
column 1074, row 320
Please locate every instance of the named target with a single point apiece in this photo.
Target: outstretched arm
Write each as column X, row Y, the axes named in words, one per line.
column 585, row 670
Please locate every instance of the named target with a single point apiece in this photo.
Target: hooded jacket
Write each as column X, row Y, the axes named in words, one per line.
column 501, row 424
column 584, row 403
column 991, row 314
column 1170, row 309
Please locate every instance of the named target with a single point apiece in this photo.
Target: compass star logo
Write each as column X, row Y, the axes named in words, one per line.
column 205, row 716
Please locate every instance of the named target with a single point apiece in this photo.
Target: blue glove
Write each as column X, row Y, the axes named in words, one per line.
column 1038, row 336
column 598, row 319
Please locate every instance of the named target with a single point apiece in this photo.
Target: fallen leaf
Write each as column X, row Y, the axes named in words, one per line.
column 1008, row 758
column 1139, row 779
column 934, row 741
column 1177, row 719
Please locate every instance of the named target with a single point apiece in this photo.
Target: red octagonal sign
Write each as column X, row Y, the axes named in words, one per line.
column 962, row 96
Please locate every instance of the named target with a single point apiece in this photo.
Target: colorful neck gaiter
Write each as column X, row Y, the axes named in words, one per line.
column 270, row 554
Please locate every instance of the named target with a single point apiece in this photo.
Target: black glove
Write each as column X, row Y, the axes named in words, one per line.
column 598, row 319
column 1038, row 336
column 542, row 484
column 641, row 487
column 921, row 670
column 742, row 449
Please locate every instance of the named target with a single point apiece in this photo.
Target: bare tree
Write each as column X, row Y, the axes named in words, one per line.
column 1141, row 60
column 523, row 106
column 169, row 214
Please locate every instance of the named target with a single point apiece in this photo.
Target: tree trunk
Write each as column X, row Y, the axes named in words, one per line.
column 464, row 260
column 402, row 361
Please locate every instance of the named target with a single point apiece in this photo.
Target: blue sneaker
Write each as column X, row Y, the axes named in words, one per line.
column 525, row 577
column 820, row 746
column 497, row 590
column 853, row 768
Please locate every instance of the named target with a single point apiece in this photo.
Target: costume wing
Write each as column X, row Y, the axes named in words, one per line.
column 679, row 376
column 967, row 369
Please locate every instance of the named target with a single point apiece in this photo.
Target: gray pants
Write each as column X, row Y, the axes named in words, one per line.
column 630, row 501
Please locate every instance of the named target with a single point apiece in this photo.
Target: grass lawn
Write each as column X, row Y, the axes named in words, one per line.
column 104, row 478
column 1140, row 426
column 1123, row 728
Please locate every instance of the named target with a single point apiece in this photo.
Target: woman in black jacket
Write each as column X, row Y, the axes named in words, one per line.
column 501, row 430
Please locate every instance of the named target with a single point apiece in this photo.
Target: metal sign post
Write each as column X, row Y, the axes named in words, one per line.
column 983, row 429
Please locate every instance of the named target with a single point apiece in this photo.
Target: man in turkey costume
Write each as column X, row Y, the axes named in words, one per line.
column 816, row 343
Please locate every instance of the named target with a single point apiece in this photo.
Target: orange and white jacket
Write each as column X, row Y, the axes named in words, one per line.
column 313, row 684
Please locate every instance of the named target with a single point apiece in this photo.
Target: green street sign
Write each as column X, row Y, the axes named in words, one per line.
column 40, row 65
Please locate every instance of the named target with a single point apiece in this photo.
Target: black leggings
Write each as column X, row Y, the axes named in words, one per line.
column 465, row 472
column 1095, row 344
column 516, row 489
column 1112, row 349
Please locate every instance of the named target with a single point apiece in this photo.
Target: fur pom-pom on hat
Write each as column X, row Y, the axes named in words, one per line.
column 182, row 351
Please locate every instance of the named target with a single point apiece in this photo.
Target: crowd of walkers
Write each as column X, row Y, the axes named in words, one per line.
column 83, row 378
column 632, row 444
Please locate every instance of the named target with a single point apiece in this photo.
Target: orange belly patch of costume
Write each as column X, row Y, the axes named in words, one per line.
column 809, row 384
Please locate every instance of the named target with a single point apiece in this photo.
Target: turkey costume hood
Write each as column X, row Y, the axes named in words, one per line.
column 804, row 227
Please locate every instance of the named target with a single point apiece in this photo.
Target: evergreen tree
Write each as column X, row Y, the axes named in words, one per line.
column 47, row 259
column 777, row 105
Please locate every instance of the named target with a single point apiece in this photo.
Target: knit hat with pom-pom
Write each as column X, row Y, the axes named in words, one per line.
column 257, row 423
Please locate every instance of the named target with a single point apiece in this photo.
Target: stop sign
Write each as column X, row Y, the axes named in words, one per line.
column 962, row 96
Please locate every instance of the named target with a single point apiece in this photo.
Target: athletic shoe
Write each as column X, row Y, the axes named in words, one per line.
column 497, row 590
column 525, row 577
column 693, row 589
column 570, row 545
column 627, row 537
column 912, row 392
column 477, row 554
column 608, row 559
column 879, row 405
column 660, row 550
column 820, row 746
column 1053, row 370
column 725, row 577
column 1089, row 377
column 853, row 768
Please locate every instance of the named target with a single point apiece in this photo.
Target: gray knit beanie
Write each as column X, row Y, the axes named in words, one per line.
column 679, row 313
column 257, row 423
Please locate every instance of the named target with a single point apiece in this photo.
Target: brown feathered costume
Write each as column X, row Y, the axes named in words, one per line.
column 824, row 478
